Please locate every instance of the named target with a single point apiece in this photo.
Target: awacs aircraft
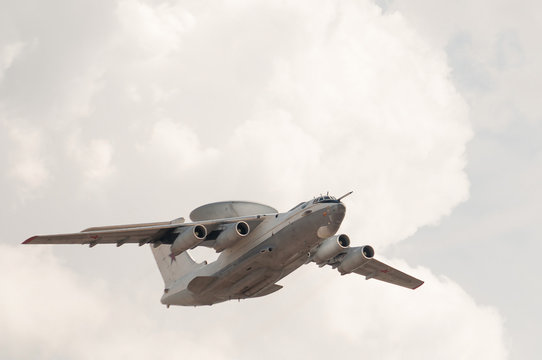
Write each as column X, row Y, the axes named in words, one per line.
column 258, row 246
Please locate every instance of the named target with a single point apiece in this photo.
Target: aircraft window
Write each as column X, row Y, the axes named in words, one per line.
column 324, row 199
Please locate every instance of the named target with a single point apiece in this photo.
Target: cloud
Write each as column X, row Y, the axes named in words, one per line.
column 53, row 312
column 272, row 103
column 347, row 315
column 27, row 167
column 47, row 304
column 493, row 56
column 8, row 54
column 273, row 152
column 94, row 159
column 439, row 313
column 153, row 30
column 338, row 98
column 177, row 147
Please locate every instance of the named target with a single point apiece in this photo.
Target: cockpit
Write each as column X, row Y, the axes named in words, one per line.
column 317, row 200
column 325, row 199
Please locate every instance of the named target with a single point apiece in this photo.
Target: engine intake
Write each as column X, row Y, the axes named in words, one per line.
column 355, row 258
column 231, row 234
column 330, row 248
column 188, row 238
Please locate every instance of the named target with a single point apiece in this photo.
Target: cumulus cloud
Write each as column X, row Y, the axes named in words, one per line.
column 153, row 30
column 177, row 147
column 78, row 103
column 345, row 314
column 53, row 312
column 273, row 147
column 408, row 324
column 39, row 312
column 8, row 54
column 338, row 98
column 272, row 103
column 493, row 56
column 94, row 157
column 27, row 164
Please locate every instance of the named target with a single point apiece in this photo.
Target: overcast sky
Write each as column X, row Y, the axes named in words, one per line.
column 137, row 111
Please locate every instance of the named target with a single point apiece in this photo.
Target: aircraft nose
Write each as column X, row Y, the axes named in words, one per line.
column 339, row 213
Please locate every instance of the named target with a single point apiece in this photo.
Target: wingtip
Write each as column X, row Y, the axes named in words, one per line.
column 29, row 240
column 414, row 288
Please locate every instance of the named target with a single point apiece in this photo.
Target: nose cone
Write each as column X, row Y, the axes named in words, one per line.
column 337, row 214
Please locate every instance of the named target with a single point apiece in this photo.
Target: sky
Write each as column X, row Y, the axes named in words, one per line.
column 137, row 111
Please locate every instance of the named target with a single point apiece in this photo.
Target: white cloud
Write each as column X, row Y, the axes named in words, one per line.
column 28, row 166
column 94, row 157
column 45, row 305
column 8, row 54
column 341, row 91
column 274, row 153
column 176, row 147
column 50, row 312
column 438, row 320
column 495, row 56
column 153, row 30
column 78, row 102
column 348, row 315
column 270, row 103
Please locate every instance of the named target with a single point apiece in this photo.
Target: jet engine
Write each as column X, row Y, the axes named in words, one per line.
column 355, row 257
column 231, row 234
column 330, row 247
column 188, row 238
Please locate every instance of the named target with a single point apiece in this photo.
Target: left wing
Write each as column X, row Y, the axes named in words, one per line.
column 157, row 233
column 119, row 236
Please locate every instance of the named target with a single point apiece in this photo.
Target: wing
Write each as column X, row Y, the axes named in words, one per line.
column 374, row 269
column 360, row 261
column 157, row 233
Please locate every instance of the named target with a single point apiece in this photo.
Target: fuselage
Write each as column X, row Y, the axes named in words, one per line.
column 280, row 244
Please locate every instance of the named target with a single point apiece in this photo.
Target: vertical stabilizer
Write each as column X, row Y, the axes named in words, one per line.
column 173, row 269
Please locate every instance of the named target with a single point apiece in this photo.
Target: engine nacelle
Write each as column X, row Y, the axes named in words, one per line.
column 355, row 258
column 188, row 238
column 231, row 234
column 330, row 248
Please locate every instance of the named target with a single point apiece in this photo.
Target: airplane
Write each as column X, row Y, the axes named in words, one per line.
column 257, row 247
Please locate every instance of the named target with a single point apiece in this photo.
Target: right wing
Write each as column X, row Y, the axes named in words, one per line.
column 360, row 261
column 374, row 269
column 156, row 233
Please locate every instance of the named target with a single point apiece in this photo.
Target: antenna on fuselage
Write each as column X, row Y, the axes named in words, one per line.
column 345, row 195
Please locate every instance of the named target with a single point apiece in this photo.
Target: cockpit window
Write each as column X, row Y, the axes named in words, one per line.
column 325, row 199
column 319, row 199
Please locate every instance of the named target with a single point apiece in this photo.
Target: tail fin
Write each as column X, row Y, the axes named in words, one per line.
column 173, row 269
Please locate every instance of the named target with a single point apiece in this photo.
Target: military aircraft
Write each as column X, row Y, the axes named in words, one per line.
column 258, row 246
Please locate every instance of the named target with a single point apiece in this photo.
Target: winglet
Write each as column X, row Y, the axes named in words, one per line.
column 29, row 240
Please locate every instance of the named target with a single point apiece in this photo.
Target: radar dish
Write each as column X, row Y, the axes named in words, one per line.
column 229, row 209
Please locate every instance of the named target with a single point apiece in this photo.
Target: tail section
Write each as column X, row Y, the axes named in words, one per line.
column 172, row 269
